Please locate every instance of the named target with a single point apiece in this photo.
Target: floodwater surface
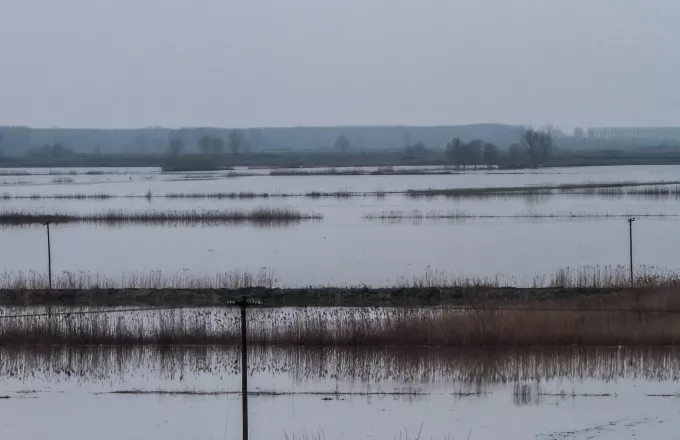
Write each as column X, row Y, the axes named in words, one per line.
column 605, row 393
column 512, row 238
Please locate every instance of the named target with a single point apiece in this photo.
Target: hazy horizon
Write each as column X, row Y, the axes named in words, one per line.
column 294, row 63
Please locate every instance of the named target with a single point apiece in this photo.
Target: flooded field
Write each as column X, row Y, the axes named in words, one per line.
column 342, row 373
column 354, row 237
column 192, row 393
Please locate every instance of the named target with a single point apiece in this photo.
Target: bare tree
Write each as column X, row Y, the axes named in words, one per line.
column 341, row 144
column 235, row 140
column 538, row 144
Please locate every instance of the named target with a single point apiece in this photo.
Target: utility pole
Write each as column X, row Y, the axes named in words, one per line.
column 630, row 239
column 243, row 304
column 49, row 275
column 244, row 367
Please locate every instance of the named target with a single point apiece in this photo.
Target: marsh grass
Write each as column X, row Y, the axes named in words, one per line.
column 231, row 195
column 62, row 180
column 260, row 216
column 654, row 190
column 319, row 172
column 586, row 277
column 457, row 214
column 581, row 277
column 235, row 279
column 381, row 171
column 62, row 173
column 587, row 188
column 340, row 194
column 647, row 317
column 466, row 371
column 78, row 196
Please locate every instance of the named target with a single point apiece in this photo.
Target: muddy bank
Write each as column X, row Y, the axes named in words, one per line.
column 302, row 296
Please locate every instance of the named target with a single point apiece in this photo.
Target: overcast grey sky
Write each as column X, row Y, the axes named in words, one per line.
column 135, row 63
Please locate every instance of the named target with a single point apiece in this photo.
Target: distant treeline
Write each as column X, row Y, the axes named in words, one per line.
column 510, row 159
column 17, row 141
column 209, row 149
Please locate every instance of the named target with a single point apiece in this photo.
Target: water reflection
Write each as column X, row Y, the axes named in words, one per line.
column 471, row 371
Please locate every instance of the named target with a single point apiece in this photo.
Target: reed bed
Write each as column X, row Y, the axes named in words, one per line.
column 82, row 280
column 64, row 173
column 586, row 277
column 587, row 188
column 582, row 277
column 62, row 180
column 230, row 195
column 412, row 171
column 660, row 190
column 320, row 172
column 648, row 319
column 417, row 214
column 382, row 171
column 340, row 194
column 78, row 196
column 259, row 216
column 466, row 371
column 458, row 214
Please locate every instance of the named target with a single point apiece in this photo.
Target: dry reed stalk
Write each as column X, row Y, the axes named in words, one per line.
column 571, row 188
column 638, row 319
column 235, row 279
column 594, row 277
column 267, row 216
column 468, row 371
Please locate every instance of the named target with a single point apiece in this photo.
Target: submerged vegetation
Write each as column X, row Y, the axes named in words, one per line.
column 258, row 216
column 381, row 171
column 588, row 188
column 468, row 371
column 657, row 189
column 457, row 214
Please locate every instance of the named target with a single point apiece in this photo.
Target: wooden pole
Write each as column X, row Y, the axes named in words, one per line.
column 49, row 276
column 630, row 240
column 49, row 255
column 244, row 367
